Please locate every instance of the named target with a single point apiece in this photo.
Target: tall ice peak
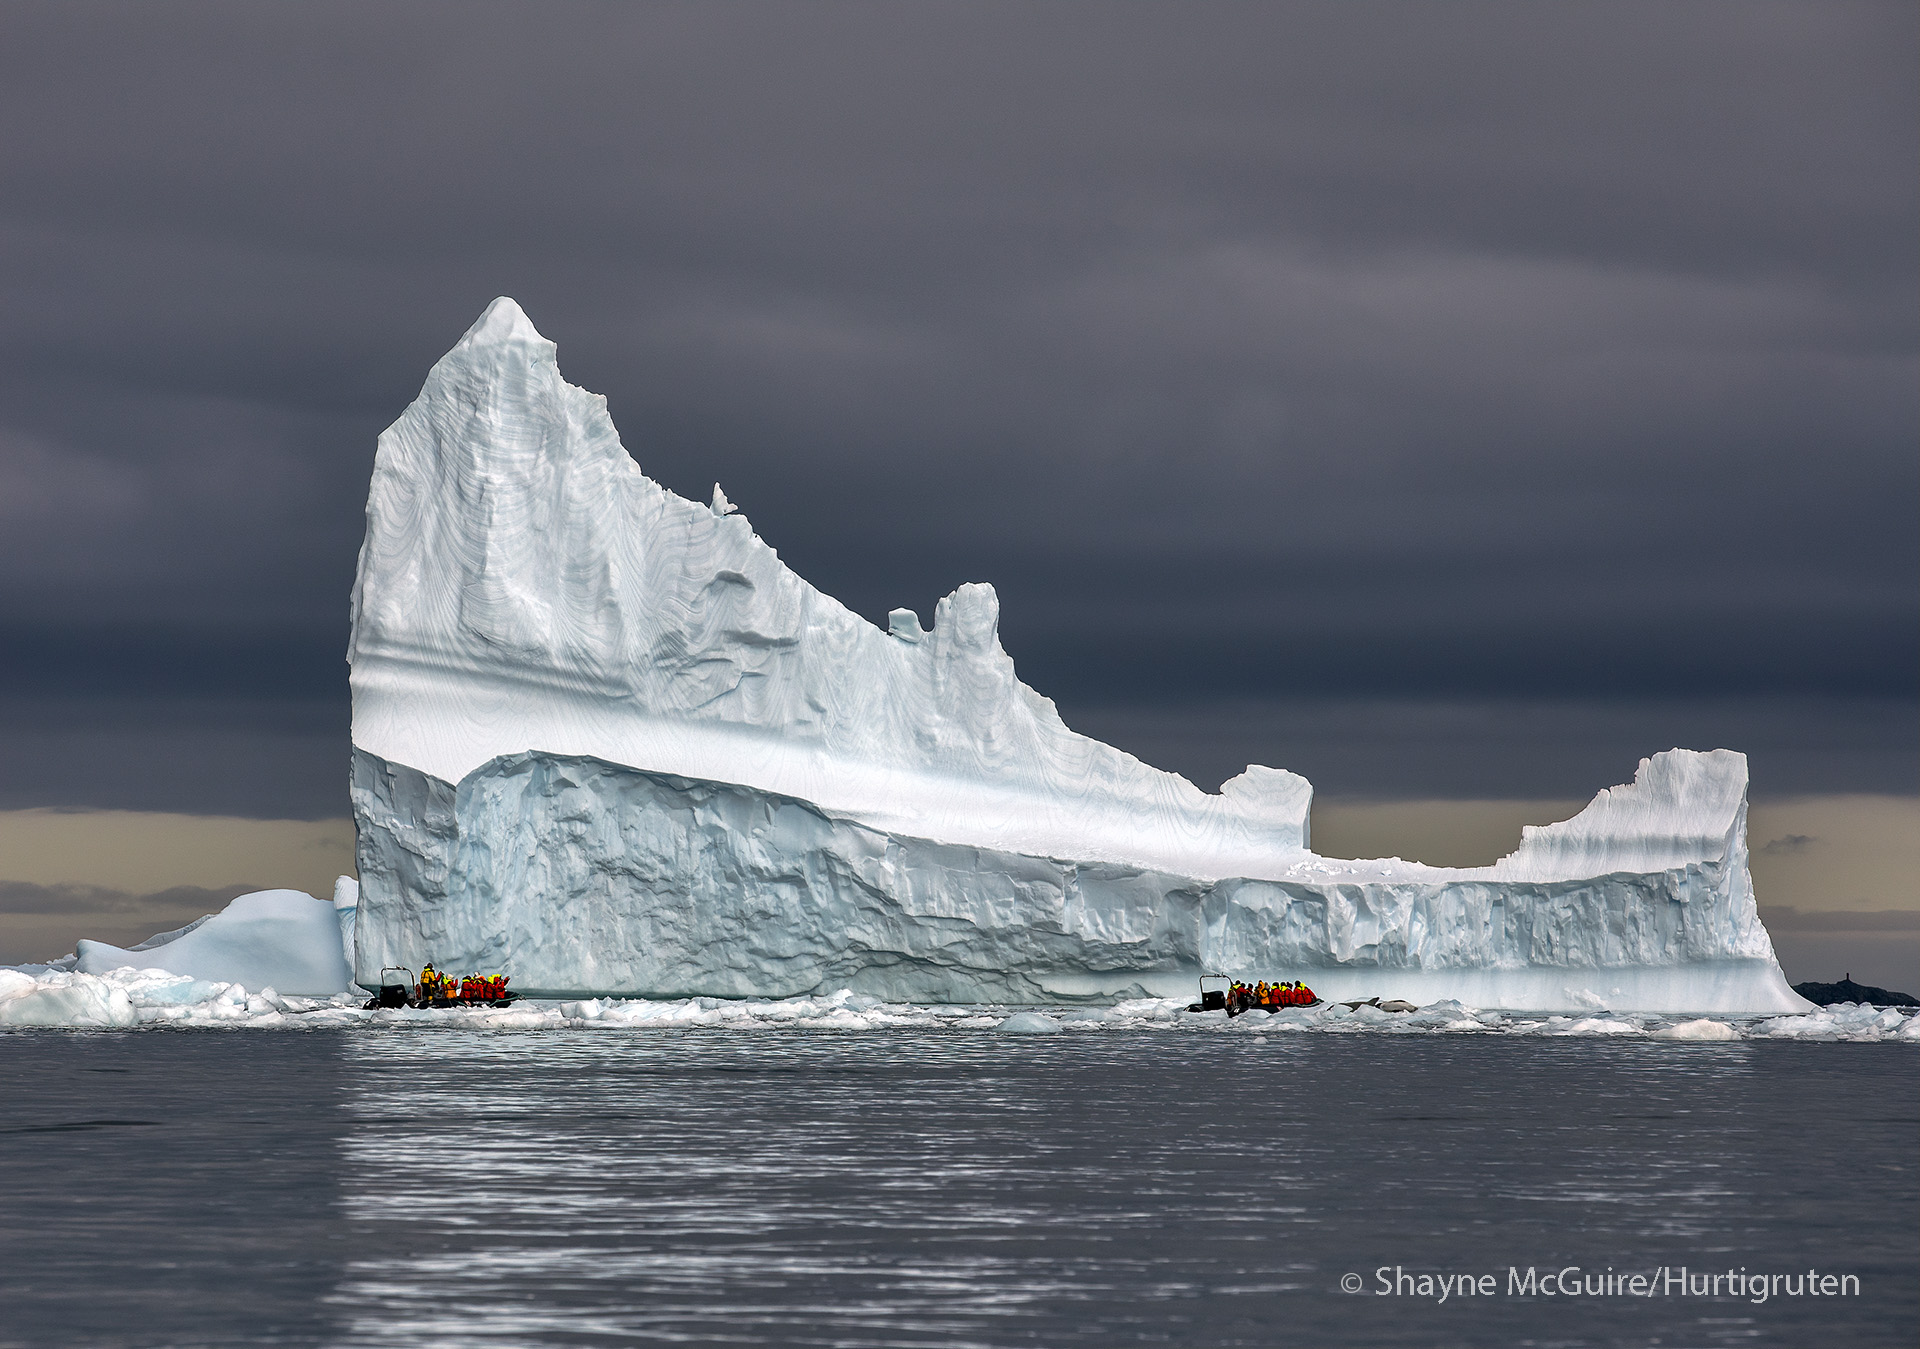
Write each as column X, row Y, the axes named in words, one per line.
column 504, row 321
column 525, row 586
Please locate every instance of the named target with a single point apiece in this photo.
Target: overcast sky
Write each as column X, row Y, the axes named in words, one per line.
column 1436, row 399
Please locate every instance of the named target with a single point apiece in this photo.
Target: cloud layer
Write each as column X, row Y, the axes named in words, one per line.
column 1516, row 358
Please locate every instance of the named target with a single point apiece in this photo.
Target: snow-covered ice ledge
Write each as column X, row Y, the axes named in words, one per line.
column 605, row 740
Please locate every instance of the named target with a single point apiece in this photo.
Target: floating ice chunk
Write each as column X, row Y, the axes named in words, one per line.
column 1030, row 1023
column 1592, row 1025
column 1844, row 1021
column 1085, row 1016
column 1703, row 1029
column 1445, row 1013
column 63, row 998
column 1146, row 1009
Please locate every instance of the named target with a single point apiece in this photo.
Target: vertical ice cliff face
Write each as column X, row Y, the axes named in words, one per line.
column 605, row 740
column 523, row 585
column 582, row 876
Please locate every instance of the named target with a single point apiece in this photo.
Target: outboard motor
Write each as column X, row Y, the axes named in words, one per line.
column 1211, row 999
column 393, row 992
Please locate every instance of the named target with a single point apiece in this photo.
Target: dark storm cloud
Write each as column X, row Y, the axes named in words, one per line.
column 1480, row 353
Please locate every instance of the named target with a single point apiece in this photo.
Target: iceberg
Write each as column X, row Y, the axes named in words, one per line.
column 280, row 939
column 606, row 741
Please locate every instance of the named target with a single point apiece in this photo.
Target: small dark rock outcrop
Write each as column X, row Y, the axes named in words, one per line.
column 1848, row 991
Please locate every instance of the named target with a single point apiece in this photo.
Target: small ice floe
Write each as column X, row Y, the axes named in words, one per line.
column 1144, row 1009
column 1845, row 1021
column 62, row 998
column 126, row 996
column 1030, row 1023
column 1706, row 1028
column 1590, row 1025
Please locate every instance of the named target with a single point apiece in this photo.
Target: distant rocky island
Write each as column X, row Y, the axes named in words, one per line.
column 1848, row 991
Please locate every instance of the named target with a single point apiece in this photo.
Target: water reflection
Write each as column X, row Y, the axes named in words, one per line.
column 972, row 1189
column 873, row 1189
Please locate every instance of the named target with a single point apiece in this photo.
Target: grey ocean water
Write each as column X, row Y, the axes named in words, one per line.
column 392, row 1187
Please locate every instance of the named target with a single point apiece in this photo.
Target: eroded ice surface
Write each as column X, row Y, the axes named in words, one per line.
column 606, row 741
